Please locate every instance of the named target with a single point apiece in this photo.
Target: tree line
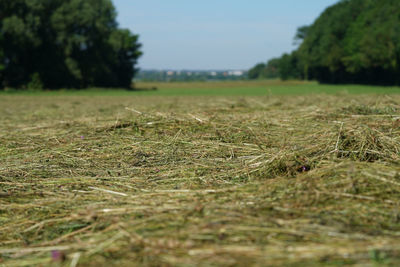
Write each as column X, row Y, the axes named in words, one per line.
column 353, row 41
column 64, row 44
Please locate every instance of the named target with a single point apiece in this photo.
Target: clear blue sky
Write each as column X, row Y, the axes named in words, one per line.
column 215, row 34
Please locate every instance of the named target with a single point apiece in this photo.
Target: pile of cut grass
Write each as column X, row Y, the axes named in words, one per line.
column 176, row 181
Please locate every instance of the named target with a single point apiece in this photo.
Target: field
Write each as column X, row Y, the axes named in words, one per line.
column 206, row 174
column 235, row 88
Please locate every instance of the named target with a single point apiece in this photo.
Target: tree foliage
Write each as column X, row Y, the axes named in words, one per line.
column 256, row 71
column 65, row 43
column 270, row 70
column 353, row 41
column 301, row 34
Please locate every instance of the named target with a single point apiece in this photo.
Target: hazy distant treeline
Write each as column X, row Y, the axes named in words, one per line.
column 189, row 75
column 353, row 41
column 64, row 43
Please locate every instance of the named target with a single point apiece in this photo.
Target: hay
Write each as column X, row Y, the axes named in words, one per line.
column 306, row 180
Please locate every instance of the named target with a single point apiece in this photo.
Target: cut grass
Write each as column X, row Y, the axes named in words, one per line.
column 175, row 181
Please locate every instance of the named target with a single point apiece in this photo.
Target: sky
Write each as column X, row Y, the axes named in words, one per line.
column 215, row 34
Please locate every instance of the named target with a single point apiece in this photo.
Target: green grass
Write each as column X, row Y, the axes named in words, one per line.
column 136, row 179
column 236, row 88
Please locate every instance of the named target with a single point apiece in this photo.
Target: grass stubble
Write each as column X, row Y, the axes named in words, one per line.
column 207, row 181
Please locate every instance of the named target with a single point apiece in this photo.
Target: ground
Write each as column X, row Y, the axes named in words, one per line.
column 158, row 178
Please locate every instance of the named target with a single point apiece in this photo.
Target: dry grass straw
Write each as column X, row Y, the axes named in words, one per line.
column 199, row 181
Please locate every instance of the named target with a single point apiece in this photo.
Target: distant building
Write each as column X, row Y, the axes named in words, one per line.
column 192, row 75
column 235, row 73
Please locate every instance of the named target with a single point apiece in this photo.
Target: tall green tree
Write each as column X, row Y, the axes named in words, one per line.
column 354, row 41
column 301, row 34
column 265, row 71
column 256, row 71
column 372, row 45
column 65, row 43
column 289, row 67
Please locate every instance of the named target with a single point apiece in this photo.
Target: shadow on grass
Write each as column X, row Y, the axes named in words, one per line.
column 143, row 89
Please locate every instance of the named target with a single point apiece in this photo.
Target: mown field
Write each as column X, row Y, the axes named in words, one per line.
column 226, row 88
column 271, row 174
